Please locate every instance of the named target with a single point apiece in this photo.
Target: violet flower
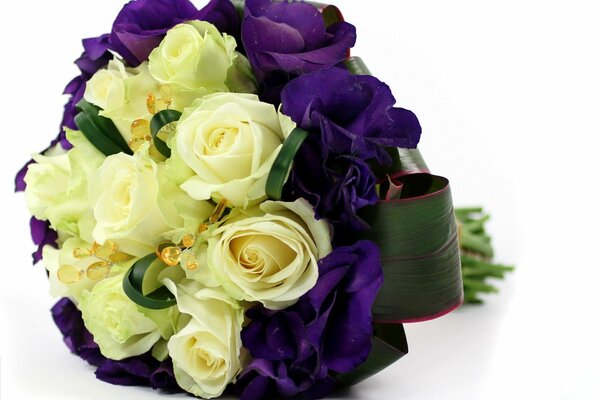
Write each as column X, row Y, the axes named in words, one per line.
column 352, row 114
column 284, row 40
column 337, row 187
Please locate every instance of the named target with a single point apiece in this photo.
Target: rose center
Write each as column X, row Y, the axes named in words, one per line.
column 220, row 140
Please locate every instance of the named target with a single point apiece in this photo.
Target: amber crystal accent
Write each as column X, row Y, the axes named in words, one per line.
column 69, row 274
column 171, row 255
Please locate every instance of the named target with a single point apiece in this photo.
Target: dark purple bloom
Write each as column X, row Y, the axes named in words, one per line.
column 42, row 234
column 337, row 187
column 353, row 114
column 143, row 370
column 328, row 330
column 286, row 39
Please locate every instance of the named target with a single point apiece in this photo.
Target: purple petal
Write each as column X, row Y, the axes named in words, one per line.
column 20, row 184
column 42, row 235
column 164, row 378
column 133, row 371
column 223, row 15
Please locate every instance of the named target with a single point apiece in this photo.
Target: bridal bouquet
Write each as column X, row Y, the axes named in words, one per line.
column 234, row 203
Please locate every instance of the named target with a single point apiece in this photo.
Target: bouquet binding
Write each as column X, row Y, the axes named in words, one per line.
column 376, row 235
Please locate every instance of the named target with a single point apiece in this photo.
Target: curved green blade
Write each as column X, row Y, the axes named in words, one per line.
column 282, row 165
column 158, row 122
column 132, row 285
column 108, row 129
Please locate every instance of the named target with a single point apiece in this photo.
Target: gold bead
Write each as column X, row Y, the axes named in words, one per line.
column 140, row 129
column 171, row 255
column 189, row 261
column 98, row 270
column 136, row 144
column 69, row 274
column 105, row 250
column 166, row 92
column 161, row 104
column 119, row 256
column 219, row 211
column 82, row 252
column 188, row 240
column 203, row 228
column 150, row 103
column 160, row 247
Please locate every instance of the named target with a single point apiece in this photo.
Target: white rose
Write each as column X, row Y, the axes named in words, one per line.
column 46, row 179
column 134, row 204
column 117, row 325
column 125, row 193
column 207, row 352
column 71, row 212
column 57, row 188
column 194, row 55
column 270, row 254
column 230, row 142
column 106, row 88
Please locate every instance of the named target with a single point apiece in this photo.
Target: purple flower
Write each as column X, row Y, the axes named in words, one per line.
column 142, row 24
column 337, row 187
column 353, row 114
column 42, row 234
column 143, row 370
column 286, row 39
column 328, row 330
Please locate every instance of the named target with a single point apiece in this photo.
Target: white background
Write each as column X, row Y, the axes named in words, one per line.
column 508, row 93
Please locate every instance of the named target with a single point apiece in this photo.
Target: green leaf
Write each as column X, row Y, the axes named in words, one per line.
column 94, row 135
column 418, row 240
column 158, row 122
column 133, row 281
column 105, row 125
column 388, row 346
column 282, row 165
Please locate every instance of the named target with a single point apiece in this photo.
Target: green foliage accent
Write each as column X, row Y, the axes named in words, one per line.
column 282, row 165
column 132, row 285
column 158, row 122
column 101, row 132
